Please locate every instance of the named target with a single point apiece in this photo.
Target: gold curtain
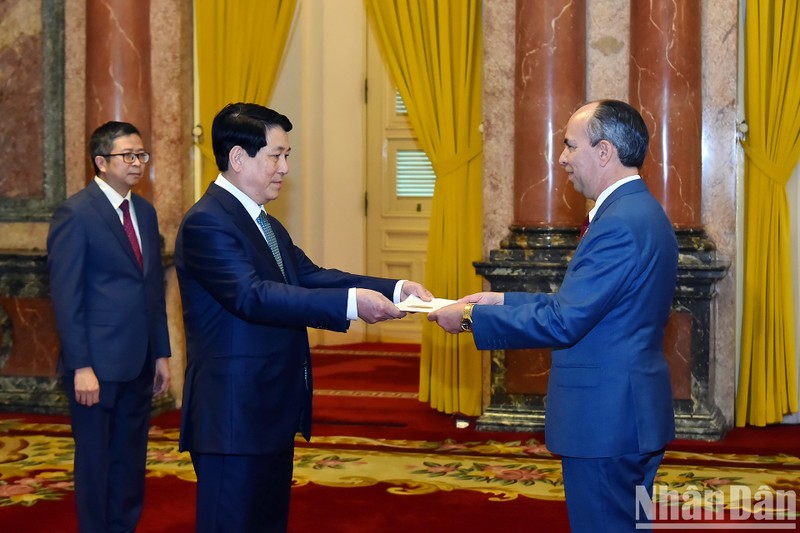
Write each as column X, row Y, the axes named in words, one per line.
column 768, row 374
column 433, row 50
column 240, row 44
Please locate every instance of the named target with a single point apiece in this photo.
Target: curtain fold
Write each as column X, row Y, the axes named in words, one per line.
column 433, row 50
column 768, row 367
column 240, row 44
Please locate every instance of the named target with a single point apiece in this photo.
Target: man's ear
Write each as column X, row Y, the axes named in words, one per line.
column 605, row 151
column 235, row 158
column 102, row 163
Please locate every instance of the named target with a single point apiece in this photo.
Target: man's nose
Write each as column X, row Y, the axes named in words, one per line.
column 562, row 160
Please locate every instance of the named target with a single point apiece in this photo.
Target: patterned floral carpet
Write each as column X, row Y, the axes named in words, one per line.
column 372, row 434
column 36, row 465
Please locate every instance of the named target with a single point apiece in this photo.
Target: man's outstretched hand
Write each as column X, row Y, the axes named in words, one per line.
column 375, row 307
column 412, row 287
column 449, row 317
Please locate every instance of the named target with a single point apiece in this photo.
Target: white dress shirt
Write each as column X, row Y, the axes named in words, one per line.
column 116, row 200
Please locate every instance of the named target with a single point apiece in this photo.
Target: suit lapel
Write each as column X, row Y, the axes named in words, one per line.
column 109, row 215
column 241, row 218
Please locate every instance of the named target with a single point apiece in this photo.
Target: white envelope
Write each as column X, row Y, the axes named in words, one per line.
column 413, row 304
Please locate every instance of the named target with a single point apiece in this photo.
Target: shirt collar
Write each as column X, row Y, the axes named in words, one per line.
column 113, row 196
column 606, row 193
column 253, row 209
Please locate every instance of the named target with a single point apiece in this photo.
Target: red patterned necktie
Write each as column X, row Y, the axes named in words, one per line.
column 584, row 226
column 127, row 223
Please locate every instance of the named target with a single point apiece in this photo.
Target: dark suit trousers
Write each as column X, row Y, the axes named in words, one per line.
column 243, row 493
column 110, row 453
column 601, row 492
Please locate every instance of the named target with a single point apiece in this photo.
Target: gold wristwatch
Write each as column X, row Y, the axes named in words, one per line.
column 466, row 321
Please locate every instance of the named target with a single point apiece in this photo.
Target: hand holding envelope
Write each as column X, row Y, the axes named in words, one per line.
column 450, row 318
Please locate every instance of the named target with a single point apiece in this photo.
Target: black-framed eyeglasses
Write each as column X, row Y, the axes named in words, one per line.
column 130, row 157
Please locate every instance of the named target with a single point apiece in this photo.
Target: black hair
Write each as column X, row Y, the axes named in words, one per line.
column 102, row 139
column 244, row 125
column 621, row 125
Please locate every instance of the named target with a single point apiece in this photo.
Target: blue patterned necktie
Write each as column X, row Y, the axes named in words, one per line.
column 266, row 229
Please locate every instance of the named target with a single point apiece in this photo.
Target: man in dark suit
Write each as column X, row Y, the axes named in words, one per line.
column 248, row 296
column 107, row 288
column 609, row 403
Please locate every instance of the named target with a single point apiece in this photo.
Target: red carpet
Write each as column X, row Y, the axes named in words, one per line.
column 391, row 368
column 770, row 440
column 410, row 419
column 375, row 510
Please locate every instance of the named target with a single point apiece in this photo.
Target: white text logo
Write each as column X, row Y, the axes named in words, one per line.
column 741, row 508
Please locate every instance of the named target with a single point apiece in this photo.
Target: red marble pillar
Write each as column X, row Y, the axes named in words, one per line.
column 118, row 69
column 665, row 85
column 550, row 86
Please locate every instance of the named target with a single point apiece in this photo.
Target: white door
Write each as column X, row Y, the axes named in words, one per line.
column 399, row 191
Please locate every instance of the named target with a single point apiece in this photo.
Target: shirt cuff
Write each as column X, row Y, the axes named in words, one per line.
column 398, row 291
column 352, row 303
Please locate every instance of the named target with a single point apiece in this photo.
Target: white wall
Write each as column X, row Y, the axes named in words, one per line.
column 320, row 89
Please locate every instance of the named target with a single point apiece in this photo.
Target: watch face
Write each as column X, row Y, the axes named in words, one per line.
column 466, row 324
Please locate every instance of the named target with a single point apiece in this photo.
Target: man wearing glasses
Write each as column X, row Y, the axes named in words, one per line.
column 107, row 288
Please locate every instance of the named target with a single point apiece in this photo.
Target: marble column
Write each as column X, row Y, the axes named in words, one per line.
column 550, row 84
column 665, row 84
column 550, row 81
column 118, row 70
